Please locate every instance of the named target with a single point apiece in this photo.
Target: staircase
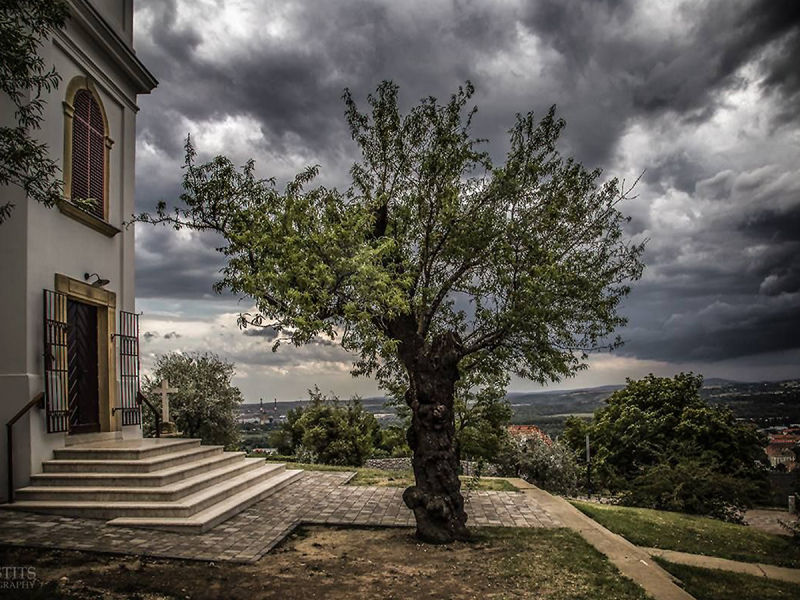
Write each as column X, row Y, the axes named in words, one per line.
column 169, row 484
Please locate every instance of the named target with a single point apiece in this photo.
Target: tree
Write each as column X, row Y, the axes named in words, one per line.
column 206, row 403
column 663, row 446
column 433, row 264
column 24, row 25
column 482, row 416
column 331, row 432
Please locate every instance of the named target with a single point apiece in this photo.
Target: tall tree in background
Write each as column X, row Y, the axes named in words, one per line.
column 24, row 77
column 433, row 264
column 206, row 402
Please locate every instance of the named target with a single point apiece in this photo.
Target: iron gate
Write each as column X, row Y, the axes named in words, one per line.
column 128, row 344
column 56, row 367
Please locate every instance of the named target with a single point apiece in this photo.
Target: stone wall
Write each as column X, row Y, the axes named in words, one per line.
column 404, row 464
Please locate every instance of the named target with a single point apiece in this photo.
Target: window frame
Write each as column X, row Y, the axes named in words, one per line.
column 77, row 84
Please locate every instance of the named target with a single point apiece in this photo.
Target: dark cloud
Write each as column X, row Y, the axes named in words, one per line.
column 722, row 270
column 268, row 333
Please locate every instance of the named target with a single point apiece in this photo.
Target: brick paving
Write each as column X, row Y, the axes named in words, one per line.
column 316, row 498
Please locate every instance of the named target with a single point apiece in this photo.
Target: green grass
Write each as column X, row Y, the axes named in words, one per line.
column 550, row 563
column 403, row 479
column 713, row 584
column 696, row 535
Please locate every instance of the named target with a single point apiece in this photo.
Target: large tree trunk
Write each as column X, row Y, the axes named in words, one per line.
column 436, row 498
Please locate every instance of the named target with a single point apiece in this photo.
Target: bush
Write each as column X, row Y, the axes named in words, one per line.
column 690, row 487
column 205, row 404
column 662, row 446
column 393, row 443
column 329, row 431
column 549, row 465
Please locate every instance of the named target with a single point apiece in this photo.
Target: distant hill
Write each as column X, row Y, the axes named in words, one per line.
column 765, row 403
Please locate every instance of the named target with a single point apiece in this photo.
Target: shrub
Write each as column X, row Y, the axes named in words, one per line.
column 329, row 431
column 549, row 465
column 690, row 487
column 662, row 446
column 205, row 404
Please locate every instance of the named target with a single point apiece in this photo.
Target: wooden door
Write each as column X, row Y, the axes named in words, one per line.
column 84, row 397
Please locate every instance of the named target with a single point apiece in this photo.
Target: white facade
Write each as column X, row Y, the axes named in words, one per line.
column 37, row 244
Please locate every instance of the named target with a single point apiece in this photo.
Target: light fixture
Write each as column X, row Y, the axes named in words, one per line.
column 100, row 281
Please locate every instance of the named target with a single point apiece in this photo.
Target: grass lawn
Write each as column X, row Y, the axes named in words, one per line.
column 697, row 535
column 345, row 563
column 713, row 584
column 403, row 479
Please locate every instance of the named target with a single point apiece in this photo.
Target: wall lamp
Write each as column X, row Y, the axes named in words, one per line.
column 100, row 281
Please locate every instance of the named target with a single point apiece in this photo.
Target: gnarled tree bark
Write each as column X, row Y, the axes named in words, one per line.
column 436, row 498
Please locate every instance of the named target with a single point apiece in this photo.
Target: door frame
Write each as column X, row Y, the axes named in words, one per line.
column 106, row 303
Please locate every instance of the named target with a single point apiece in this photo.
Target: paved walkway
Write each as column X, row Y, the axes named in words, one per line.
column 711, row 562
column 632, row 561
column 769, row 520
column 317, row 497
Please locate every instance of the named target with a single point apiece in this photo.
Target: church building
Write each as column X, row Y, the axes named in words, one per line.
column 69, row 365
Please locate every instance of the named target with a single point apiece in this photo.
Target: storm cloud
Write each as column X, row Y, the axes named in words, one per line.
column 701, row 97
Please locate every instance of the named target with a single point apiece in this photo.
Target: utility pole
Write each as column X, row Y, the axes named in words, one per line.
column 588, row 470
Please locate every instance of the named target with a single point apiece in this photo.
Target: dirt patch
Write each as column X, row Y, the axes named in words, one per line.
column 336, row 563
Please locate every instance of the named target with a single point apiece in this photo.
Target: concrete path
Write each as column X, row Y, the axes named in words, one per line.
column 632, row 561
column 711, row 562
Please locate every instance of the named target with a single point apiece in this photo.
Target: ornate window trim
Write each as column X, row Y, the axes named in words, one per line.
column 77, row 84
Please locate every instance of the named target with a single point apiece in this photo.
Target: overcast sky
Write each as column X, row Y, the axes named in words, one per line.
column 702, row 96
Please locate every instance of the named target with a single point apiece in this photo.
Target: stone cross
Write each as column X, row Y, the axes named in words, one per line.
column 165, row 391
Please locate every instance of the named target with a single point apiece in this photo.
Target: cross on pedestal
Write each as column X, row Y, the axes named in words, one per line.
column 165, row 391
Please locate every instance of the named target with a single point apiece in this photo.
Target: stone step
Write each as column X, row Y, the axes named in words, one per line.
column 99, row 436
column 124, row 449
column 166, row 493
column 146, row 465
column 216, row 514
column 128, row 480
column 186, row 507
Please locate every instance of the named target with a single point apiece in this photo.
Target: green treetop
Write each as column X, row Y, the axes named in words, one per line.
column 433, row 264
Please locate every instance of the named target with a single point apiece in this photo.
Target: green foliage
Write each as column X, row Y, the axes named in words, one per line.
column 663, row 446
column 205, row 404
column 482, row 417
column 24, row 78
column 534, row 246
column 549, row 465
column 393, row 442
column 330, row 431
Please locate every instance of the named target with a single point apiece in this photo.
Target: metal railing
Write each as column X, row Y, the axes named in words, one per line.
column 38, row 399
column 142, row 399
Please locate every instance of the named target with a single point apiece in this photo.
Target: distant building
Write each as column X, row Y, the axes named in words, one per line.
column 784, row 448
column 264, row 451
column 524, row 432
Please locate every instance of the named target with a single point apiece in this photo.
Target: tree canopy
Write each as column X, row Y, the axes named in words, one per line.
column 433, row 264
column 24, row 78
column 665, row 447
column 330, row 431
column 206, row 402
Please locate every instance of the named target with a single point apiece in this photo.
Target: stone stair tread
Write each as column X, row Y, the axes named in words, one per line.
column 187, row 502
column 128, row 449
column 215, row 514
column 154, row 475
column 177, row 486
column 128, row 445
column 151, row 461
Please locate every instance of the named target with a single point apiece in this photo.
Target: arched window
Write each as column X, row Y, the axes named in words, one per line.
column 86, row 155
column 88, row 152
